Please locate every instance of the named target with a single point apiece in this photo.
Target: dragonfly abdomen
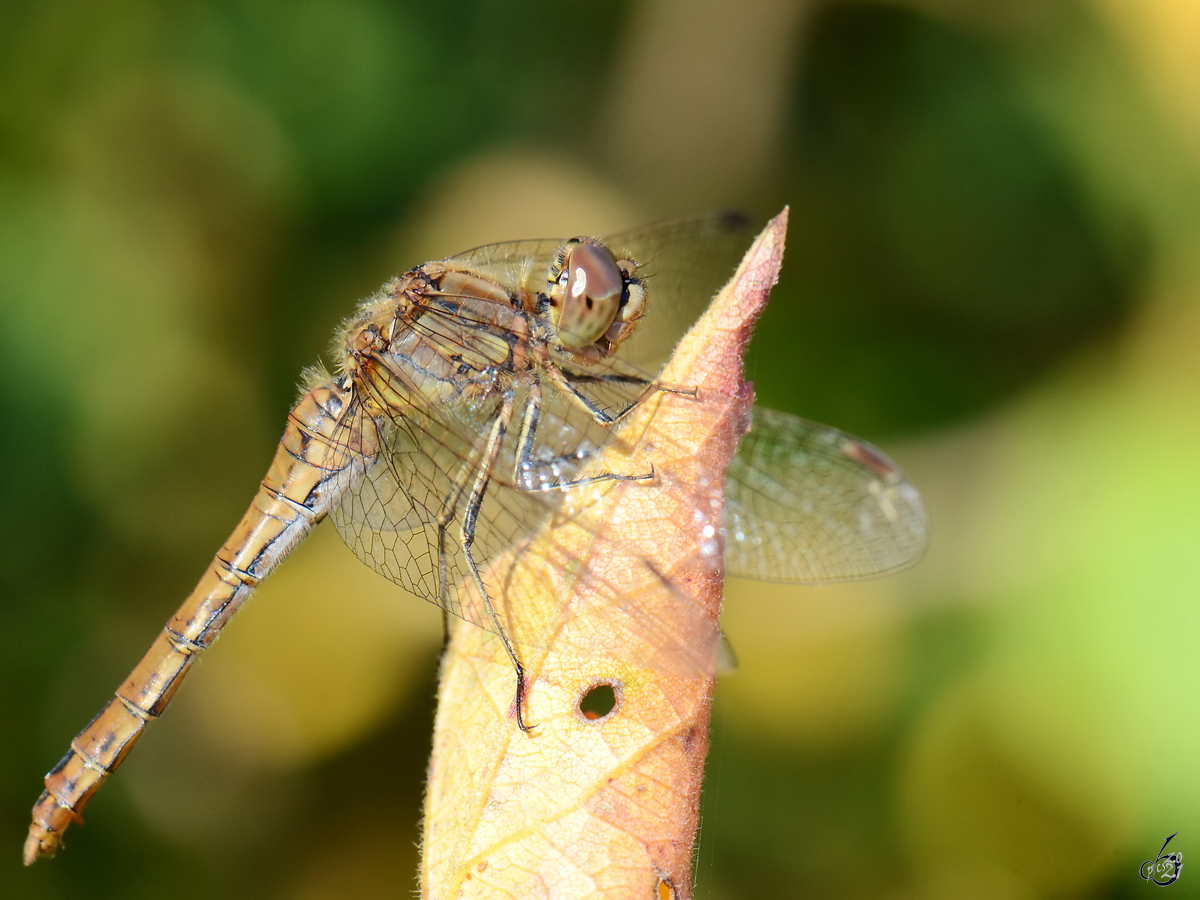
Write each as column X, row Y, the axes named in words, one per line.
column 324, row 449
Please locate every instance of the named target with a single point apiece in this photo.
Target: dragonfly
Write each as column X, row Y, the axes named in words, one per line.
column 469, row 396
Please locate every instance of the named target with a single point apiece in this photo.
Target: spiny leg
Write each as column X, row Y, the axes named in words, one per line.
column 602, row 416
column 606, row 378
column 462, row 480
column 467, row 539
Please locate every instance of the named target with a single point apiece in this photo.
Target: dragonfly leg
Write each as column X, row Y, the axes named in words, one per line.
column 649, row 385
column 603, row 416
column 525, row 464
column 467, row 539
column 462, row 480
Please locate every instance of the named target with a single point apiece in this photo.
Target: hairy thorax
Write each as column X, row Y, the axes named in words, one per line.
column 438, row 334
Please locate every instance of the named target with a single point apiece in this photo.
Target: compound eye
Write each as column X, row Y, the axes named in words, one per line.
column 590, row 296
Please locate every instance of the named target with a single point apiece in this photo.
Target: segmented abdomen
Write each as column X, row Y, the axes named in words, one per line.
column 324, row 449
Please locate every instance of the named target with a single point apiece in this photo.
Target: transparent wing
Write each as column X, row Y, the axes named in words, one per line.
column 519, row 264
column 808, row 503
column 684, row 262
column 805, row 503
column 405, row 519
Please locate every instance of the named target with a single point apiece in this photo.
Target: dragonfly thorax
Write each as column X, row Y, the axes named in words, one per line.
column 435, row 335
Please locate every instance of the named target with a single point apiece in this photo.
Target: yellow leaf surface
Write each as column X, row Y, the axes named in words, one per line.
column 621, row 588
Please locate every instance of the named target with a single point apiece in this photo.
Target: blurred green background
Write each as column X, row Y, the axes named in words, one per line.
column 992, row 271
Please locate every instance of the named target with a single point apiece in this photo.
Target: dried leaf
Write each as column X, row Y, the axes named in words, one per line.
column 622, row 588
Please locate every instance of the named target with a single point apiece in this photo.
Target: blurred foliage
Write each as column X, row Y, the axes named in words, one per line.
column 943, row 232
column 991, row 262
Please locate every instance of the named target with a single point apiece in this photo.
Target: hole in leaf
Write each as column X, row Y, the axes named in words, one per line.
column 665, row 890
column 598, row 701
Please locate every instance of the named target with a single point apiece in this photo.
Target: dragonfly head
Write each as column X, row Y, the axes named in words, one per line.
column 595, row 299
